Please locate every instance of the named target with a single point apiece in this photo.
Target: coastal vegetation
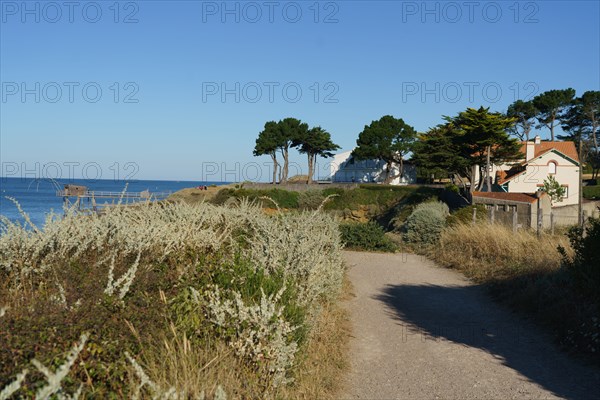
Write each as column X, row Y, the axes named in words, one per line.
column 171, row 300
column 550, row 278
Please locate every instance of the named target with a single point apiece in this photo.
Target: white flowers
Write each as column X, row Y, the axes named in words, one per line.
column 124, row 282
column 261, row 331
column 53, row 379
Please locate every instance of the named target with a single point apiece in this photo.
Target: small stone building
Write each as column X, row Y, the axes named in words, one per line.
column 502, row 206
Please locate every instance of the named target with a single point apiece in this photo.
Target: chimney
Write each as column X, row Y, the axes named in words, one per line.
column 530, row 150
column 537, row 139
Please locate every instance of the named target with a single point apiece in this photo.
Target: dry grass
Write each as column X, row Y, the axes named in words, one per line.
column 193, row 370
column 485, row 252
column 525, row 273
column 321, row 364
column 325, row 360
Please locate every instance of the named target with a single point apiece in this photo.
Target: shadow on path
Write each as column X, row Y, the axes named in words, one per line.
column 466, row 316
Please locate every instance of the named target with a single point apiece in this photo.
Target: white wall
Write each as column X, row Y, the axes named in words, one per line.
column 367, row 171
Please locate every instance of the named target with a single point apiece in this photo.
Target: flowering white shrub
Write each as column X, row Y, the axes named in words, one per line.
column 125, row 242
column 261, row 333
column 12, row 387
column 53, row 379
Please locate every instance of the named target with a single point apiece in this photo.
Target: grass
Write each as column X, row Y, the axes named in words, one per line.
column 525, row 273
column 484, row 251
column 591, row 192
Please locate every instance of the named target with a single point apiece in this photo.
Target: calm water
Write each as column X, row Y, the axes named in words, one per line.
column 38, row 197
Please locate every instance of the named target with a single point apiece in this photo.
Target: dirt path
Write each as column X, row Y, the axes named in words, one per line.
column 423, row 332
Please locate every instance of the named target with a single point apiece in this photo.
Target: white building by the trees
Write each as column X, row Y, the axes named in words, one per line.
column 345, row 168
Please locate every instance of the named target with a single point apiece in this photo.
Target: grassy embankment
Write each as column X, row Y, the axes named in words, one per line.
column 530, row 275
column 173, row 301
column 366, row 212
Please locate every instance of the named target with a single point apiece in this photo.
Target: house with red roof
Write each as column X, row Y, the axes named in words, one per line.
column 541, row 159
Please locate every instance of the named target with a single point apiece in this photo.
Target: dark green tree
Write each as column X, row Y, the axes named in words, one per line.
column 524, row 112
column 482, row 139
column 551, row 106
column 388, row 139
column 291, row 131
column 437, row 153
column 582, row 122
column 267, row 143
column 315, row 142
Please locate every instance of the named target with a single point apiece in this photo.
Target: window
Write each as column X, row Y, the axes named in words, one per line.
column 566, row 192
column 552, row 167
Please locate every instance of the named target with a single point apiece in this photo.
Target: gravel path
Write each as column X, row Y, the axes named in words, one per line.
column 423, row 332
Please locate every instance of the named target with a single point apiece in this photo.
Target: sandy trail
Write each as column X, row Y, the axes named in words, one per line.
column 424, row 332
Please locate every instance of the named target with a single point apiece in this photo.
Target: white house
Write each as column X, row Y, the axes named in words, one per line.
column 344, row 168
column 541, row 159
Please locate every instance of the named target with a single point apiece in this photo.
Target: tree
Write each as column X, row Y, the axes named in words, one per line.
column 388, row 139
column 482, row 139
column 553, row 189
column 581, row 124
column 267, row 143
column 437, row 152
column 291, row 130
column 551, row 106
column 316, row 142
column 524, row 112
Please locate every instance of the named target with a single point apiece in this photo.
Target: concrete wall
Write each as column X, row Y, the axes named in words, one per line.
column 527, row 213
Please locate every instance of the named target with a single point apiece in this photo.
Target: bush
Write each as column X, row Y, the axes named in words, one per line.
column 283, row 198
column 585, row 264
column 591, row 192
column 310, row 199
column 464, row 215
column 426, row 223
column 451, row 187
column 366, row 236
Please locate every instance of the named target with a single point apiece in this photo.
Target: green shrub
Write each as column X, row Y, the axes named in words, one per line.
column 591, row 192
column 451, row 187
column 464, row 215
column 426, row 223
column 283, row 198
column 585, row 265
column 310, row 200
column 365, row 236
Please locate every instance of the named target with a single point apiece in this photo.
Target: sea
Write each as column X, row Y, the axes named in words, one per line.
column 37, row 197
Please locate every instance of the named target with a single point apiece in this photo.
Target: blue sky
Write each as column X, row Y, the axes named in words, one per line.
column 161, row 113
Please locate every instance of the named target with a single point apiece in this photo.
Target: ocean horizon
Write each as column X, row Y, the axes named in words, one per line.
column 37, row 197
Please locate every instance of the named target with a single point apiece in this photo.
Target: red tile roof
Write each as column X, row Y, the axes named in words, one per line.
column 505, row 176
column 566, row 148
column 517, row 197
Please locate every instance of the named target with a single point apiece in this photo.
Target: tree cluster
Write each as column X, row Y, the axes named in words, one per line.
column 279, row 137
column 579, row 118
column 467, row 145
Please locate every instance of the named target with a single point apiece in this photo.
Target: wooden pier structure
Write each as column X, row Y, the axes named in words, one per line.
column 83, row 195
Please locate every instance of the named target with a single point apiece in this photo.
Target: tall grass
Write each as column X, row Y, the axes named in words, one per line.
column 226, row 295
column 529, row 274
column 492, row 251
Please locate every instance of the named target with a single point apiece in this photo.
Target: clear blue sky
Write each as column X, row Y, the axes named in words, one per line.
column 368, row 59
